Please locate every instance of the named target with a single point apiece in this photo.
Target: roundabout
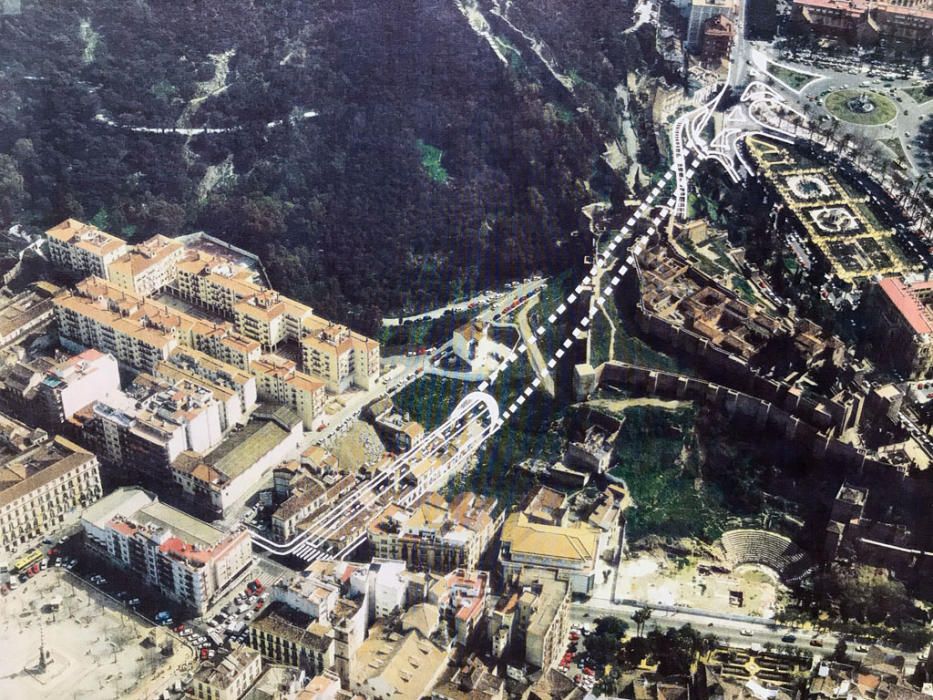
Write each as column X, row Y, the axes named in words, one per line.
column 863, row 107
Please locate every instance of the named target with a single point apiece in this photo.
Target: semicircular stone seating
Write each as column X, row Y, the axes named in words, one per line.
column 768, row 549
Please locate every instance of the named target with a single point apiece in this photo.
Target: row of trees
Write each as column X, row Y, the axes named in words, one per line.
column 674, row 649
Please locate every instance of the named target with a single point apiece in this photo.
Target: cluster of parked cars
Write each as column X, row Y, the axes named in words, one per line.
column 100, row 581
column 230, row 623
column 202, row 643
column 585, row 677
column 32, row 563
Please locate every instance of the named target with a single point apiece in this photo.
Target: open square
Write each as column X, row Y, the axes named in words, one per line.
column 93, row 649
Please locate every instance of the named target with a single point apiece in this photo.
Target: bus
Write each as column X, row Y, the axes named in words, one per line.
column 27, row 560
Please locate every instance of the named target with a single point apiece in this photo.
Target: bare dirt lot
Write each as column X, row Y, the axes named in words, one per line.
column 659, row 580
column 94, row 650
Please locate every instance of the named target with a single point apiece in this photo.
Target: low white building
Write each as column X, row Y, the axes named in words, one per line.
column 311, row 596
column 471, row 343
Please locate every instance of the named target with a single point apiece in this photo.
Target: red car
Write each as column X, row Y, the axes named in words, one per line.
column 204, row 652
column 179, row 628
column 588, row 671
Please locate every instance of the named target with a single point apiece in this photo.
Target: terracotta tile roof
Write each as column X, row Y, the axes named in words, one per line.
column 908, row 305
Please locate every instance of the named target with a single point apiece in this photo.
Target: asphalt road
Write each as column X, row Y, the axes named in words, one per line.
column 909, row 117
column 759, row 630
column 481, row 300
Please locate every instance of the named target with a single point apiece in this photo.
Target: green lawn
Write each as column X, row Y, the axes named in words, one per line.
column 744, row 289
column 600, row 334
column 836, row 103
column 630, row 348
column 792, row 78
column 897, row 149
column 920, row 94
column 431, row 157
column 430, row 399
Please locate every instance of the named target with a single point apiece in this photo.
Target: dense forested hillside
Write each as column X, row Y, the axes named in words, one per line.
column 379, row 154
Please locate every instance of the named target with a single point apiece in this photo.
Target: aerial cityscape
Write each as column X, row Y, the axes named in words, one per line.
column 466, row 350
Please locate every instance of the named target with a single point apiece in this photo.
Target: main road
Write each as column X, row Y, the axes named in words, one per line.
column 733, row 629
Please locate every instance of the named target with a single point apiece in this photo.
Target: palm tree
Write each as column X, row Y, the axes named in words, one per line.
column 640, row 617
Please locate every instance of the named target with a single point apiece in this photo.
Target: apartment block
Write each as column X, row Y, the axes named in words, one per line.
column 902, row 314
column 233, row 389
column 150, row 424
column 533, row 616
column 206, row 274
column 434, row 534
column 307, row 495
column 76, row 383
column 26, row 312
column 906, row 21
column 278, row 379
column 39, row 486
column 138, row 332
column 460, row 597
column 330, row 352
column 270, row 318
column 284, row 635
column 307, row 594
column 303, row 490
column 147, row 268
column 338, row 356
column 214, row 282
column 83, row 248
column 222, row 342
column 700, row 12
column 229, row 678
column 385, row 585
column 184, row 558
